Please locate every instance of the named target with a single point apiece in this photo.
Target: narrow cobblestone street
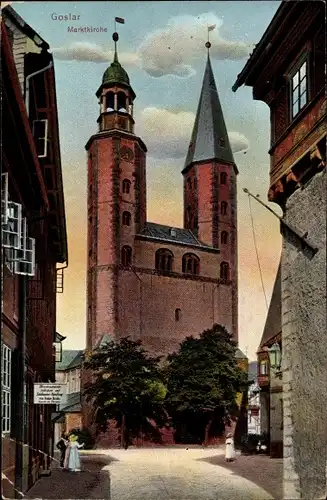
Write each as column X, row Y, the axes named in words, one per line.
column 178, row 474
column 164, row 474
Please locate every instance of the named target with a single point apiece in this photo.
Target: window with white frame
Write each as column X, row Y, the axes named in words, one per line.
column 299, row 89
column 264, row 367
column 6, row 388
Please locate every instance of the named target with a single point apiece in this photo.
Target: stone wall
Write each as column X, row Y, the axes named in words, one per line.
column 305, row 345
column 276, row 418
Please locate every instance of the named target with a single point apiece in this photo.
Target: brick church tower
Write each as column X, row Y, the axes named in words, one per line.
column 116, row 199
column 210, row 192
column 147, row 280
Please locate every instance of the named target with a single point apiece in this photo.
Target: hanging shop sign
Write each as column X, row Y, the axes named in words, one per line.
column 49, row 393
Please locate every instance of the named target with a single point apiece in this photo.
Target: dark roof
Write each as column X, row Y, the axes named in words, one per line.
column 286, row 16
column 239, row 354
column 59, row 337
column 26, row 28
column 209, row 126
column 273, row 324
column 72, row 403
column 171, row 234
column 70, row 359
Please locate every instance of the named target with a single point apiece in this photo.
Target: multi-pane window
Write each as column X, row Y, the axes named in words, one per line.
column 299, row 91
column 164, row 260
column 6, row 388
column 190, row 264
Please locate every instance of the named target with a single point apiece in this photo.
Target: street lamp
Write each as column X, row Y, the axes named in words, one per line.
column 275, row 358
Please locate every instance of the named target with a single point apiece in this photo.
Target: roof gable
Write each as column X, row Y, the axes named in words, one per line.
column 273, row 325
column 70, row 359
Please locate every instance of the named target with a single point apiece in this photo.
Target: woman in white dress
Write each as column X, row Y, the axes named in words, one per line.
column 230, row 449
column 72, row 458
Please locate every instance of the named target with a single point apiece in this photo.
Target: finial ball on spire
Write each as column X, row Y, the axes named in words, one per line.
column 208, row 45
column 115, row 37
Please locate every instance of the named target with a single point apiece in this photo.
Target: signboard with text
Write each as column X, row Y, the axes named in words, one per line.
column 49, row 393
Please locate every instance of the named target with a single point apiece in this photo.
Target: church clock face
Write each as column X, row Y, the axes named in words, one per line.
column 126, row 154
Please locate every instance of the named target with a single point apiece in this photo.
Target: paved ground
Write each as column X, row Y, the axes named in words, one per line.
column 91, row 483
column 266, row 472
column 164, row 474
column 176, row 474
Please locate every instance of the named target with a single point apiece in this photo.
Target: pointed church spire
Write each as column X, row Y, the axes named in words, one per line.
column 209, row 137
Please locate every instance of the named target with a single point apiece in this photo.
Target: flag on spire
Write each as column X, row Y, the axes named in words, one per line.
column 212, row 27
column 120, row 20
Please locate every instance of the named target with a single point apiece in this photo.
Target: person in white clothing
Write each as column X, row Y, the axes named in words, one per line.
column 72, row 458
column 230, row 449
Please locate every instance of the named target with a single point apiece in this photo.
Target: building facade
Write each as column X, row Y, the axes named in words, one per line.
column 146, row 280
column 254, row 414
column 33, row 244
column 270, row 381
column 287, row 71
column 68, row 372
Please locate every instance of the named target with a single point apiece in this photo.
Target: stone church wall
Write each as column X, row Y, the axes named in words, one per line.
column 305, row 346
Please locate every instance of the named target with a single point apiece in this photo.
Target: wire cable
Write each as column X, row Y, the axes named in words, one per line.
column 257, row 253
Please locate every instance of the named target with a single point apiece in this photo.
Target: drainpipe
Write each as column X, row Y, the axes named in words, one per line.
column 27, row 89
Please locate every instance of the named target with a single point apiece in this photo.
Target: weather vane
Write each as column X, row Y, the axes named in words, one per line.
column 115, row 35
column 210, row 28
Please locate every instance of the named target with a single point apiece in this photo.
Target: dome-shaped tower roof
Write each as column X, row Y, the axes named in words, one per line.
column 115, row 74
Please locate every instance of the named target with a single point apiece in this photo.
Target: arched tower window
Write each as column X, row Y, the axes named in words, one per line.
column 224, row 271
column 122, row 102
column 110, row 101
column 224, row 237
column 126, row 219
column 223, row 178
column 126, row 256
column 190, row 264
column 126, row 186
column 164, row 260
column 223, row 208
column 178, row 314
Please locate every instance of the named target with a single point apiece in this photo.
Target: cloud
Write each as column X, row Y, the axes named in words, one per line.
column 167, row 132
column 173, row 50
column 91, row 52
column 4, row 4
column 238, row 142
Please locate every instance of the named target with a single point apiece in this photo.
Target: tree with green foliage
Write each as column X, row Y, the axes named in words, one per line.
column 128, row 387
column 203, row 381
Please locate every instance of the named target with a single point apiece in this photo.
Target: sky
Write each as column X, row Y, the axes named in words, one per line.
column 161, row 46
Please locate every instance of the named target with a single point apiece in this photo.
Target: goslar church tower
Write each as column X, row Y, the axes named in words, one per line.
column 146, row 280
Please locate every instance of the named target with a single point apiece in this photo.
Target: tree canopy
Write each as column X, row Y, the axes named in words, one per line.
column 127, row 387
column 204, row 379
